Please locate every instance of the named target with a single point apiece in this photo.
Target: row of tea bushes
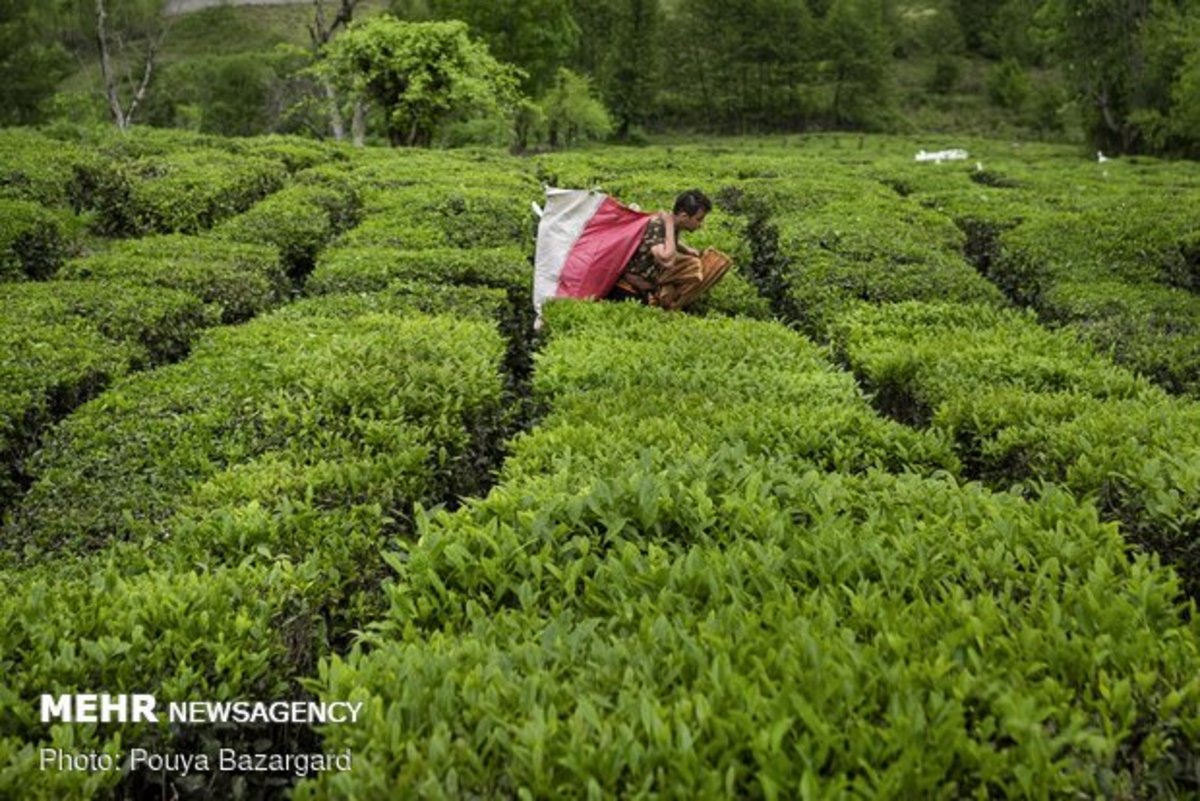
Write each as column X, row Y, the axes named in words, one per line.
column 298, row 221
column 37, row 169
column 239, row 279
column 873, row 246
column 385, row 169
column 183, row 192
column 34, row 240
column 668, row 383
column 668, row 595
column 1111, row 256
column 116, row 468
column 366, row 269
column 1142, row 251
column 1137, row 237
column 61, row 167
column 152, row 181
column 1028, row 407
column 422, row 429
column 403, row 297
column 421, row 217
column 420, row 201
column 434, row 221
column 297, row 154
column 63, row 342
column 277, row 461
column 1148, row 327
column 904, row 354
column 227, row 633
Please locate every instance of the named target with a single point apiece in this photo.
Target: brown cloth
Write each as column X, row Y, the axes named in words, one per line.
column 688, row 278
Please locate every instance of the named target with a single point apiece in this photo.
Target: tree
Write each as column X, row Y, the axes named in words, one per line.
column 626, row 57
column 125, row 37
column 538, row 36
column 320, row 31
column 1099, row 42
column 977, row 21
column 741, row 64
column 239, row 94
column 1168, row 115
column 619, row 46
column 31, row 62
column 1185, row 110
column 128, row 35
column 856, row 62
column 571, row 112
column 423, row 74
column 1014, row 34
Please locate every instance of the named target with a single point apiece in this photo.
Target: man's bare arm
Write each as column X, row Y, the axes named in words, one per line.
column 664, row 253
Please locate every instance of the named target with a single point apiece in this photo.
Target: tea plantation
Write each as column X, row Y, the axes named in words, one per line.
column 908, row 508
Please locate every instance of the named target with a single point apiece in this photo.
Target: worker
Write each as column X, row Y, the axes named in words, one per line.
column 665, row 272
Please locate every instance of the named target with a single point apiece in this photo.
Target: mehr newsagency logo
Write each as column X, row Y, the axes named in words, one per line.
column 145, row 708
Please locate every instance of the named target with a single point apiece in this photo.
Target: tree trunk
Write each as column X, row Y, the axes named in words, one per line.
column 122, row 117
column 358, row 124
column 110, row 80
column 320, row 32
column 140, row 94
column 336, row 125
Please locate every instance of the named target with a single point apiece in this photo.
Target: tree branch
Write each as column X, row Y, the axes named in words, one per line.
column 110, row 84
column 141, row 90
column 318, row 32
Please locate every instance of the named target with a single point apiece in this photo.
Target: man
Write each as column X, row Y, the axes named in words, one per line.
column 665, row 272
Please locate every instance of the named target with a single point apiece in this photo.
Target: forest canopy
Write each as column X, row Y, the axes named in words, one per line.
column 1123, row 75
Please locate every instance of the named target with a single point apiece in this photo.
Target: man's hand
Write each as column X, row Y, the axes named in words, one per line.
column 638, row 283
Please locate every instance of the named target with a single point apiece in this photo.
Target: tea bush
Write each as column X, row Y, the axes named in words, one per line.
column 421, row 216
column 34, row 241
column 184, row 192
column 914, row 355
column 1148, row 327
column 364, row 269
column 294, row 152
column 260, row 552
column 234, row 632
column 298, row 221
column 38, row 169
column 240, row 279
column 655, row 601
column 117, row 467
column 819, row 248
column 63, row 342
column 47, row 370
column 405, row 298
column 1029, row 407
column 162, row 322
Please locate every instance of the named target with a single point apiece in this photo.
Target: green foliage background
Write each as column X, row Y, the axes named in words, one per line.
column 1122, row 75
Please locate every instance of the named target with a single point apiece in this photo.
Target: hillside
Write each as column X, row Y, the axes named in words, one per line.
column 191, row 6
column 239, row 44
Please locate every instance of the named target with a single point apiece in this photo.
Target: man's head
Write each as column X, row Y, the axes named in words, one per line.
column 690, row 209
